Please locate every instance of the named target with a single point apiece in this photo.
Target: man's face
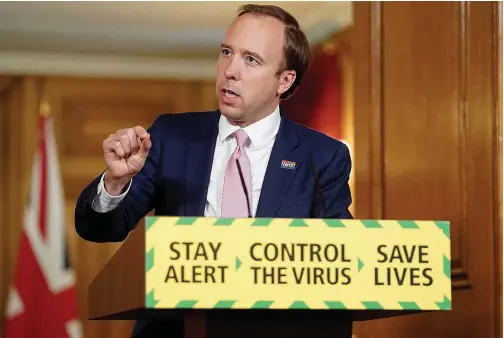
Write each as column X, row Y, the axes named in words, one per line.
column 248, row 85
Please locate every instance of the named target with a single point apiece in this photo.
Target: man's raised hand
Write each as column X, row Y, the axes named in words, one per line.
column 125, row 153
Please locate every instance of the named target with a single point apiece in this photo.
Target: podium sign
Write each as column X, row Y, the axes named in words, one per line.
column 260, row 263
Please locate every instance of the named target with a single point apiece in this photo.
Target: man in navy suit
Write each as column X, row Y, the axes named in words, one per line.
column 245, row 159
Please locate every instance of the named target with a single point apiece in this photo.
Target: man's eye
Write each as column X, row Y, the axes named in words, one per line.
column 225, row 52
column 250, row 59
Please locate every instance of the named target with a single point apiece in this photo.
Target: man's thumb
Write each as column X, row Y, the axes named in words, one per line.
column 145, row 147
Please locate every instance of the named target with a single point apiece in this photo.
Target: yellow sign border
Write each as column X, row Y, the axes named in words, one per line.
column 443, row 226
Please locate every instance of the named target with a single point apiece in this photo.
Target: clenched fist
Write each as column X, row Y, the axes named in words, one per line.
column 125, row 153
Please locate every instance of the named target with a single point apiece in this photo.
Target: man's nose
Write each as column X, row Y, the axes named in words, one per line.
column 232, row 71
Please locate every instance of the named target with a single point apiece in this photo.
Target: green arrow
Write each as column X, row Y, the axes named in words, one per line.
column 373, row 305
column 409, row 305
column 360, row 265
column 149, row 260
column 149, row 221
column 445, row 304
column 186, row 304
column 224, row 304
column 335, row 305
column 150, row 300
column 186, row 220
column 299, row 305
column 334, row 223
column 445, row 227
column 298, row 222
column 447, row 267
column 262, row 304
column 371, row 224
column 237, row 263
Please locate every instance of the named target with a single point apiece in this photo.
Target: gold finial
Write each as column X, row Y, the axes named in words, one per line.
column 329, row 48
column 44, row 108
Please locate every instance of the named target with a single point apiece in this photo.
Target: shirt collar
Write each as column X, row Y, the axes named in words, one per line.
column 261, row 133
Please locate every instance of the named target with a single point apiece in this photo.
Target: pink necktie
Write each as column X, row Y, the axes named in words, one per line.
column 234, row 200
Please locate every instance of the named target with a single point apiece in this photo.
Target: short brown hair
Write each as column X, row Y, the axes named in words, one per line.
column 297, row 51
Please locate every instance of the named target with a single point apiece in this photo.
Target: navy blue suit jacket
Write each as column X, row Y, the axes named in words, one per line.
column 175, row 177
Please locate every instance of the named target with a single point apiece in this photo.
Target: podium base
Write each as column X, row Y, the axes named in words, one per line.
column 277, row 324
column 244, row 323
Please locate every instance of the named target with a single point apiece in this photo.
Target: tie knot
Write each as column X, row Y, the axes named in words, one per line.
column 241, row 138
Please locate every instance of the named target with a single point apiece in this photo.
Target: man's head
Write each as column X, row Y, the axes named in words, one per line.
column 263, row 58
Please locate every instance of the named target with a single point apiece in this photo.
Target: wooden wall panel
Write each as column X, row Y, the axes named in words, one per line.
column 426, row 145
column 4, row 234
column 497, row 76
column 86, row 111
column 425, row 122
column 5, row 81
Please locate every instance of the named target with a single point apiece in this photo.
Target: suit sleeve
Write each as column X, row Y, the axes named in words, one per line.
column 335, row 187
column 115, row 225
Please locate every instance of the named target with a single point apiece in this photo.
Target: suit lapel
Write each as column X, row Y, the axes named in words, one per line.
column 198, row 164
column 277, row 178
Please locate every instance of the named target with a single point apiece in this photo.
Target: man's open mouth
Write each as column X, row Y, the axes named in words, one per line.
column 229, row 93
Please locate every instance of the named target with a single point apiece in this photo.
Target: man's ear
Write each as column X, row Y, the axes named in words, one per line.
column 287, row 78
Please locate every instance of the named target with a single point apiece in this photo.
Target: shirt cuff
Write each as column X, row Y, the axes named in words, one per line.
column 103, row 201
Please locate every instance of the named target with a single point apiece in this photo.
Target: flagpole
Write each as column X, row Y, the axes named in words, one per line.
column 44, row 109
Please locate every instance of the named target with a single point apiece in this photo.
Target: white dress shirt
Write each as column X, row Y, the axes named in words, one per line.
column 262, row 137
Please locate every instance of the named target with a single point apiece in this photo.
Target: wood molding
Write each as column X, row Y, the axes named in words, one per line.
column 362, row 141
column 376, row 131
column 497, row 100
column 92, row 65
column 459, row 264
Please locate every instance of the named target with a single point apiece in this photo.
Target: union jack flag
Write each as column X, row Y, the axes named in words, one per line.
column 42, row 298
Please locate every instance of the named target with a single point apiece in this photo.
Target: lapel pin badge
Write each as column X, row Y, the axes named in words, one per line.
column 288, row 164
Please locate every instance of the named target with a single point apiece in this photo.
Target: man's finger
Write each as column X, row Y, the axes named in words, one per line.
column 125, row 142
column 141, row 132
column 115, row 137
column 109, row 143
column 134, row 145
column 118, row 148
column 122, row 131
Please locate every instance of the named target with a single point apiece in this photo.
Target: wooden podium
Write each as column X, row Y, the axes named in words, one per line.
column 280, row 277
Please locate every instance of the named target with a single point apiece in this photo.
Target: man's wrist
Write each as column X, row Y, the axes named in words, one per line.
column 114, row 186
